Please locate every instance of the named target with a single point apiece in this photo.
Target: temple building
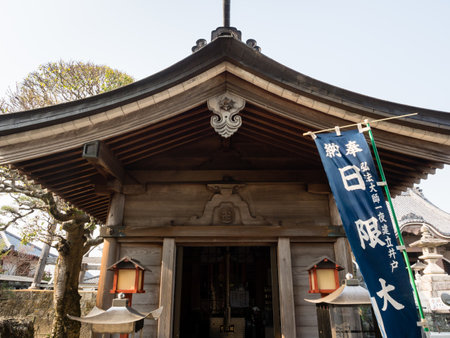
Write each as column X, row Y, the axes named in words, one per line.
column 414, row 211
column 201, row 173
column 426, row 230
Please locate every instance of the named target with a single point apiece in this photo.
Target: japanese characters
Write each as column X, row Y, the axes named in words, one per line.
column 358, row 192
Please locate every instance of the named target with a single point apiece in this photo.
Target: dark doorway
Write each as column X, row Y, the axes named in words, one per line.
column 227, row 292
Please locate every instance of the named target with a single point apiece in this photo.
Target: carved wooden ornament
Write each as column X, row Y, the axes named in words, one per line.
column 226, row 107
column 226, row 207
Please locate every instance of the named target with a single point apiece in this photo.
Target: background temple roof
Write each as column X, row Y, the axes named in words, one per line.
column 412, row 208
column 8, row 239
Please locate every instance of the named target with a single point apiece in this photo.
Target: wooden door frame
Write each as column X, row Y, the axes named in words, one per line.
column 274, row 278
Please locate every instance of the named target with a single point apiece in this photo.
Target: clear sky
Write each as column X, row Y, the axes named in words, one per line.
column 393, row 50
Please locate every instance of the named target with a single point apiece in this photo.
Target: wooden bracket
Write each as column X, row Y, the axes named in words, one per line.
column 99, row 154
column 112, row 231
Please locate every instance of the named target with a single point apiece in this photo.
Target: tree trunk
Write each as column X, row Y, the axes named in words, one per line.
column 66, row 298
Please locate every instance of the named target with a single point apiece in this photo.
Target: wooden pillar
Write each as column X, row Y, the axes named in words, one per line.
column 110, row 253
column 166, row 292
column 287, row 307
column 177, row 300
column 342, row 251
column 275, row 292
column 343, row 255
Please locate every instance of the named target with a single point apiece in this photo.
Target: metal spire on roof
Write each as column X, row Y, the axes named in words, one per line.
column 225, row 31
column 226, row 13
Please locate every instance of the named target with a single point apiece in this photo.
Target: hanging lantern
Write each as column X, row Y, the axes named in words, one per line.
column 323, row 276
column 128, row 276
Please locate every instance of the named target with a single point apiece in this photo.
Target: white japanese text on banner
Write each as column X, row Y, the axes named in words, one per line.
column 353, row 180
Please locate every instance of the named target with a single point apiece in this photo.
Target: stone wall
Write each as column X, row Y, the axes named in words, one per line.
column 37, row 306
column 20, row 328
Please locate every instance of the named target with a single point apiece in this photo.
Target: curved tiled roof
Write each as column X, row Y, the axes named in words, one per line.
column 147, row 124
column 9, row 239
column 412, row 208
column 223, row 49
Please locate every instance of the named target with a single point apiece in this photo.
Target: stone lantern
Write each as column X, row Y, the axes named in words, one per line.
column 418, row 267
column 119, row 318
column 429, row 245
column 434, row 282
column 347, row 312
column 128, row 279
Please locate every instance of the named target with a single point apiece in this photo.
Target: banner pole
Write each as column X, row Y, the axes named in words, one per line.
column 312, row 133
column 397, row 227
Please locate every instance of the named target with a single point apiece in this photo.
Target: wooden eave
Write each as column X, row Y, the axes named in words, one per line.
column 221, row 50
column 153, row 123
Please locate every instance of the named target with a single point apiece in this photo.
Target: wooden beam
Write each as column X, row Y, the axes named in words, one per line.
column 56, row 165
column 67, row 186
column 110, row 253
column 167, row 286
column 277, row 140
column 126, row 140
column 168, row 142
column 230, row 241
column 83, row 200
column 206, row 176
column 159, row 149
column 127, row 189
column 236, row 231
column 72, row 172
column 287, row 306
column 164, row 138
column 67, row 177
column 278, row 130
column 98, row 153
column 156, row 132
column 321, row 189
column 58, row 157
column 100, row 202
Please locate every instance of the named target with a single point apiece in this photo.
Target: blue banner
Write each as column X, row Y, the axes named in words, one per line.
column 353, row 180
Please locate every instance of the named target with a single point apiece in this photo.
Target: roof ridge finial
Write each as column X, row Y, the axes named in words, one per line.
column 226, row 13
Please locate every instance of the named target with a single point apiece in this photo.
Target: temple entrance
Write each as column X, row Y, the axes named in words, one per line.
column 227, row 292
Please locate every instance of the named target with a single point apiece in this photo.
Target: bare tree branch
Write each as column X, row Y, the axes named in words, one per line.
column 92, row 242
